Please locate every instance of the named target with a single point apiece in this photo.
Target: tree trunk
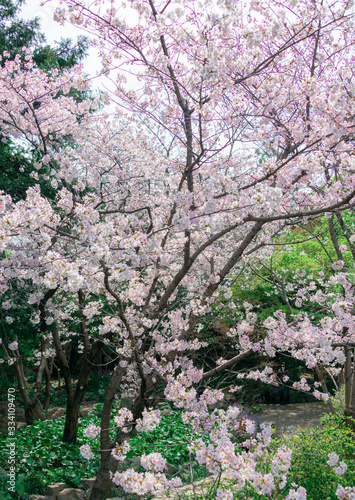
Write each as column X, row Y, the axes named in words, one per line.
column 103, row 483
column 319, row 372
column 352, row 394
column 47, row 391
column 33, row 407
column 347, row 380
column 108, row 464
column 75, row 397
column 71, row 421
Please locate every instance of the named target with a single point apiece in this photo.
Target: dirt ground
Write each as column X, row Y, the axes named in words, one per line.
column 288, row 418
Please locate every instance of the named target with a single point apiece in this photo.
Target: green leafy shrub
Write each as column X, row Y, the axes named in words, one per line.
column 310, row 454
column 311, row 449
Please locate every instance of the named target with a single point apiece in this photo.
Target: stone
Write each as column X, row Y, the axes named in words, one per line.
column 52, row 490
column 4, row 425
column 127, row 402
column 55, row 413
column 88, row 482
column 171, row 469
column 71, row 494
column 20, row 412
column 85, row 412
column 38, row 497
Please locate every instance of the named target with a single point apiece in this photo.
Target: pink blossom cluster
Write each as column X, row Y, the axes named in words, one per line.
column 345, row 493
column 299, row 494
column 123, row 419
column 224, row 494
column 264, row 484
column 320, row 395
column 13, row 346
column 281, row 463
column 120, row 451
column 86, row 452
column 92, row 431
column 339, row 467
column 150, row 419
column 144, row 483
column 153, row 462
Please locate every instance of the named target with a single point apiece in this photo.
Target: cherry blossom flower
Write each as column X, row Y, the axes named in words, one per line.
column 86, row 452
column 13, row 346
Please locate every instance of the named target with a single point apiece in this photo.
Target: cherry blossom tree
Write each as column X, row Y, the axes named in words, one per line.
column 230, row 124
column 31, row 89
column 320, row 308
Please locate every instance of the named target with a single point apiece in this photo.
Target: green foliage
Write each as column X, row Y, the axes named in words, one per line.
column 41, row 457
column 170, row 438
column 17, row 33
column 310, row 454
column 19, row 486
column 64, row 54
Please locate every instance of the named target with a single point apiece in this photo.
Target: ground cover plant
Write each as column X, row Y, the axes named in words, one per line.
column 45, row 459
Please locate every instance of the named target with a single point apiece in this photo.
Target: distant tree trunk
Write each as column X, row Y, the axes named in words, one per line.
column 47, row 391
column 33, row 407
column 352, row 394
column 319, row 372
column 71, row 421
column 76, row 395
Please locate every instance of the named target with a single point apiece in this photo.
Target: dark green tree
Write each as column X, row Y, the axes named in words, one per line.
column 16, row 33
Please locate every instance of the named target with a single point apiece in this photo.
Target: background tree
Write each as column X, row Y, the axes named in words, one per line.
column 18, row 172
column 16, row 163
